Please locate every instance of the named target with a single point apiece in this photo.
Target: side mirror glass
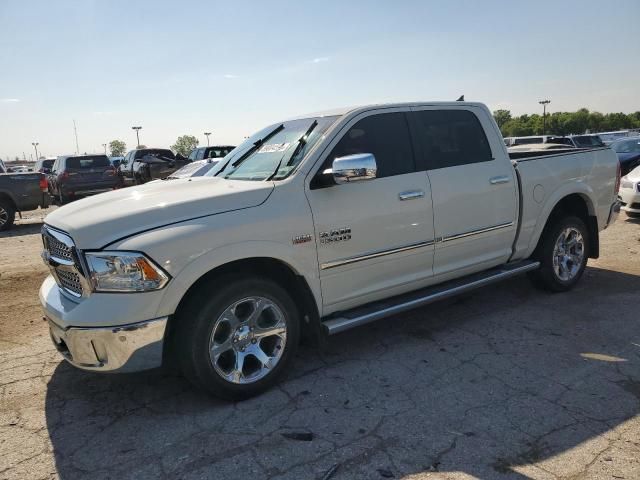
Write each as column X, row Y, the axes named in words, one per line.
column 354, row 168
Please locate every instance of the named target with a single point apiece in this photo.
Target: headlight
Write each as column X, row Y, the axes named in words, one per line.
column 124, row 272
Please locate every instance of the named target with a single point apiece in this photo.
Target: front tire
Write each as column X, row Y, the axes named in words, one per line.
column 238, row 341
column 7, row 215
column 562, row 254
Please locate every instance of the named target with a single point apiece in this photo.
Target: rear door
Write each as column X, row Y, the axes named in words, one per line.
column 473, row 187
column 375, row 237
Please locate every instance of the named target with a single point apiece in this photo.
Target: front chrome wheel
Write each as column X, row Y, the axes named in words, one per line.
column 568, row 254
column 247, row 340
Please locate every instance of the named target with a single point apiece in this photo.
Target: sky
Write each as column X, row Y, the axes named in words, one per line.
column 233, row 67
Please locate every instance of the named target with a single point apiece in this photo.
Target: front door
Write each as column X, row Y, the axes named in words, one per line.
column 375, row 237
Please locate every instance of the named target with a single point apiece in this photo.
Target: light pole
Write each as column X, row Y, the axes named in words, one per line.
column 207, row 135
column 105, row 148
column 544, row 104
column 137, row 129
column 35, row 145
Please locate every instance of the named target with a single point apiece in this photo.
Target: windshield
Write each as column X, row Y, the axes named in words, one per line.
column 277, row 150
column 627, row 146
column 588, row 141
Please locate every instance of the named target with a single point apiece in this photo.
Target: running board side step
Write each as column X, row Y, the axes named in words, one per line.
column 385, row 308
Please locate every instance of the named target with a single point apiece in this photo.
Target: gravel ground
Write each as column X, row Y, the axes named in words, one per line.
column 506, row 383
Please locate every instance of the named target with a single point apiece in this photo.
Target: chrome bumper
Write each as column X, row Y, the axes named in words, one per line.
column 125, row 348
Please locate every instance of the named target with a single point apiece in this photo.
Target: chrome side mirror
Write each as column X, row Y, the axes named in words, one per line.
column 354, row 168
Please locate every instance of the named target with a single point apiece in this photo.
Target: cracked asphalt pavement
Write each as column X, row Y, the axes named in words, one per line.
column 504, row 383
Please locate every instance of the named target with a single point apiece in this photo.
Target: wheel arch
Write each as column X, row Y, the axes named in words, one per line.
column 580, row 205
column 9, row 199
column 272, row 268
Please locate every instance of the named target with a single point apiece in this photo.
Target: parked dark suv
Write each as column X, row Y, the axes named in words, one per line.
column 75, row 176
column 145, row 164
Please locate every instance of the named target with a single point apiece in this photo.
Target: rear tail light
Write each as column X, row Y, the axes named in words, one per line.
column 44, row 186
column 111, row 171
column 618, row 174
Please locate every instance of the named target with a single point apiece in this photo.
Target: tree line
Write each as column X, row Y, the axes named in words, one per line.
column 183, row 146
column 564, row 123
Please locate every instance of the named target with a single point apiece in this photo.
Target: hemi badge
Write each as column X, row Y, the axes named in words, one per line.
column 301, row 239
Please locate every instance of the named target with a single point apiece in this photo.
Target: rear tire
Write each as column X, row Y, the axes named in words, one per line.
column 7, row 215
column 237, row 342
column 562, row 252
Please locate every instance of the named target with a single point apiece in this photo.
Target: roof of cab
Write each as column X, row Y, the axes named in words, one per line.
column 363, row 108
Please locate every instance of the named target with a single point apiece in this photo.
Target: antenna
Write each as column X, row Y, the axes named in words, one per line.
column 461, row 99
column 75, row 131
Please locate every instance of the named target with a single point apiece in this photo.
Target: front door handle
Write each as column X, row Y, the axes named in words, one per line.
column 500, row 179
column 412, row 195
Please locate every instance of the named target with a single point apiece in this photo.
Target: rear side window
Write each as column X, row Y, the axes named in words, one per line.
column 451, row 137
column 83, row 163
column 384, row 135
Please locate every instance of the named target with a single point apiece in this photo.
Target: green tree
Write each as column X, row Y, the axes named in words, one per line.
column 117, row 148
column 502, row 117
column 185, row 144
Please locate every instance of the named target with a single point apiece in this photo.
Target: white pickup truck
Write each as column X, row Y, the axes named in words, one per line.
column 310, row 227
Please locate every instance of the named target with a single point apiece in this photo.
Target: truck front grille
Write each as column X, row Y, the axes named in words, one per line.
column 70, row 281
column 57, row 249
column 62, row 259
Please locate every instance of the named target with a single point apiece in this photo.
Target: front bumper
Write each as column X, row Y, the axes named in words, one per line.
column 123, row 348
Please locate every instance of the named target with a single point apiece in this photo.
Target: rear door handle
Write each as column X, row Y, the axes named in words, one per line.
column 411, row 195
column 500, row 179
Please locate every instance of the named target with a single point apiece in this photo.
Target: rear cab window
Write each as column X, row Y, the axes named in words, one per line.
column 88, row 162
column 448, row 138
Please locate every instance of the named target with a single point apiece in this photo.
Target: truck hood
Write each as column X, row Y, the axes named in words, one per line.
column 97, row 221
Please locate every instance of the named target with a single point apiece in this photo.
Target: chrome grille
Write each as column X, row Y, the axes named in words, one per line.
column 61, row 258
column 70, row 281
column 58, row 249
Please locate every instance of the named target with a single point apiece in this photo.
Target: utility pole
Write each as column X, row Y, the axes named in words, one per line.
column 544, row 104
column 207, row 135
column 105, row 148
column 137, row 129
column 75, row 131
column 35, row 145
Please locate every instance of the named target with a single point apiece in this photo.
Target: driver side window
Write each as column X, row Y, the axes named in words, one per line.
column 386, row 136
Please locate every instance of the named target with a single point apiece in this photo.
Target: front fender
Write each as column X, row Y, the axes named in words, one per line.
column 297, row 258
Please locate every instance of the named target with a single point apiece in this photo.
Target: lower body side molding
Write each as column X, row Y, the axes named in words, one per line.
column 375, row 311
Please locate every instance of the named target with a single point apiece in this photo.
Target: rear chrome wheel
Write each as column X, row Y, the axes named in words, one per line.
column 562, row 252
column 247, row 340
column 568, row 254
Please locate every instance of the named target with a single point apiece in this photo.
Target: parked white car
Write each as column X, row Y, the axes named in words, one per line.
column 313, row 226
column 630, row 192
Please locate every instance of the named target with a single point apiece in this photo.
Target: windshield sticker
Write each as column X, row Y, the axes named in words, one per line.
column 274, row 147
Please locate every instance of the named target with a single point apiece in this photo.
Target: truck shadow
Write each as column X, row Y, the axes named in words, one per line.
column 487, row 384
column 21, row 229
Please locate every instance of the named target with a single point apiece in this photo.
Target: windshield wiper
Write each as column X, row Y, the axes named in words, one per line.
column 302, row 141
column 256, row 145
